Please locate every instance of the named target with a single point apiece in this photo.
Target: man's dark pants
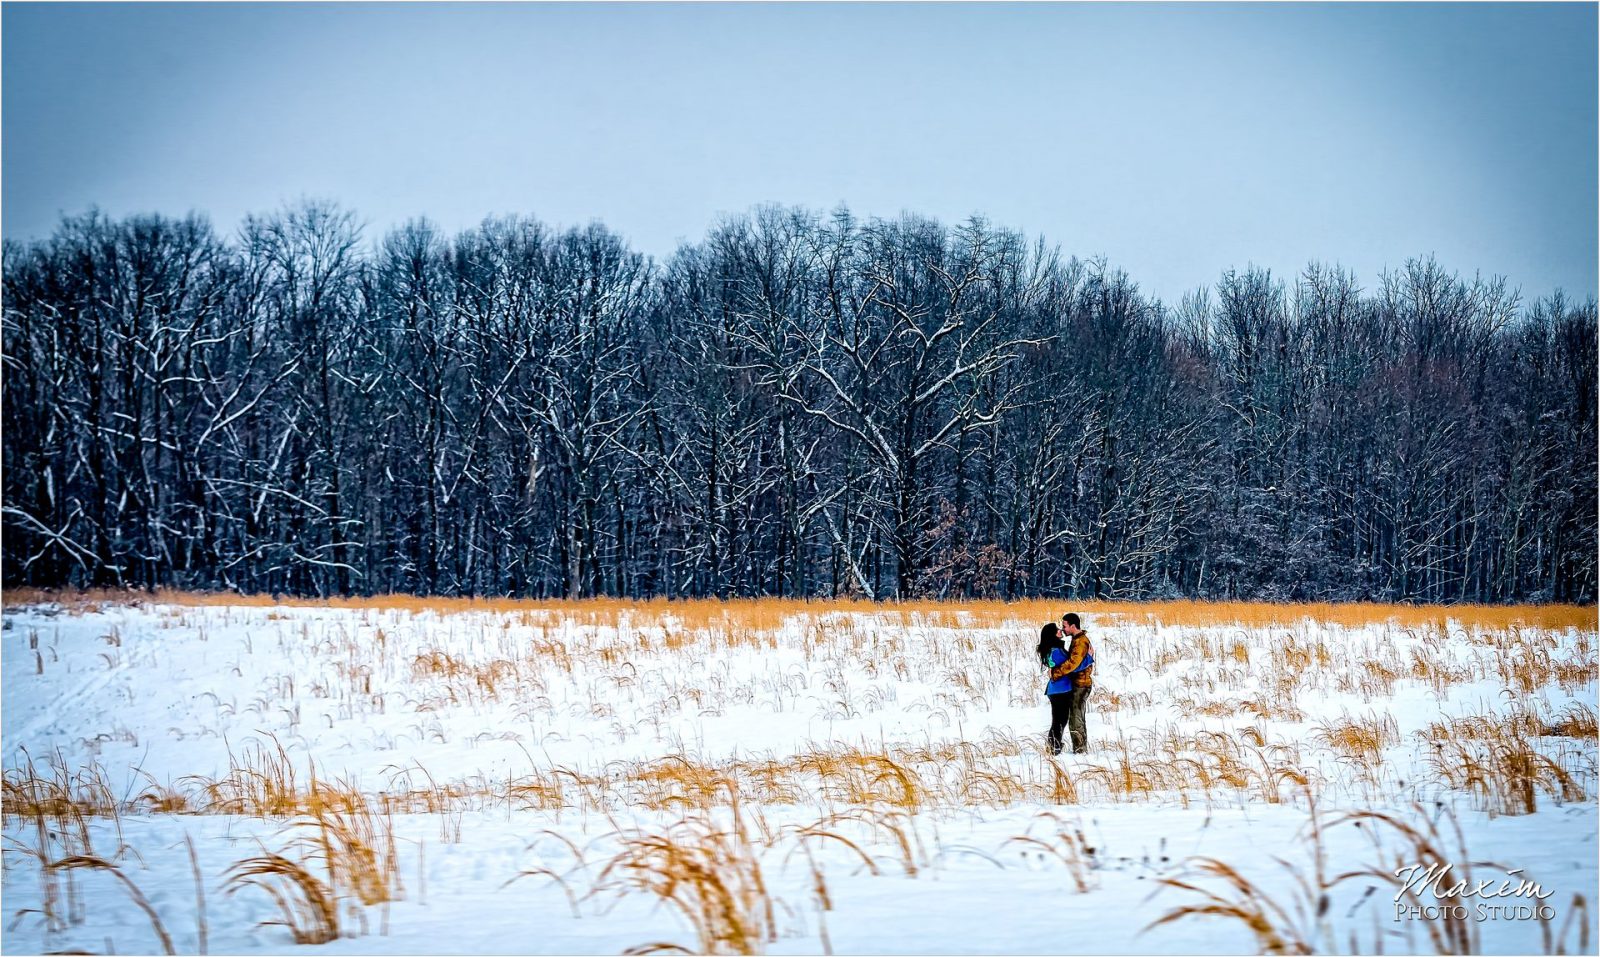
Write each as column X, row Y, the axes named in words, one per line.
column 1077, row 701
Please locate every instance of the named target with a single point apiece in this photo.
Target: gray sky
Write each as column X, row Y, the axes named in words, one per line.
column 1176, row 140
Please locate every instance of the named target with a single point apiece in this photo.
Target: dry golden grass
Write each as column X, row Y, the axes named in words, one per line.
column 1279, row 927
column 58, row 806
column 307, row 907
column 161, row 798
column 341, row 834
column 1291, row 915
column 262, row 781
column 57, row 904
column 1362, row 738
column 1281, row 923
column 524, row 663
column 1506, row 761
column 201, row 927
column 56, row 792
column 1499, row 760
column 709, row 871
column 708, row 866
column 1423, row 840
column 754, row 615
column 1576, row 720
column 1065, row 843
column 89, row 862
column 354, row 843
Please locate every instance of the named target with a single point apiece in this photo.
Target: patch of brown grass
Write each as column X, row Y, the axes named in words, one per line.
column 709, row 871
column 307, row 907
column 262, row 781
column 1065, row 843
column 1361, row 738
column 90, row 862
column 1290, row 915
column 743, row 620
column 354, row 842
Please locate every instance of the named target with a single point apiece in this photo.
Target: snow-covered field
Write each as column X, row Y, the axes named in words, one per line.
column 787, row 781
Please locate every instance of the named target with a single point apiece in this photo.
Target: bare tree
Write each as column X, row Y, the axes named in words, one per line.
column 797, row 404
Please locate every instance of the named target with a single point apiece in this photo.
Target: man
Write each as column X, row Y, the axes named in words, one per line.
column 1078, row 668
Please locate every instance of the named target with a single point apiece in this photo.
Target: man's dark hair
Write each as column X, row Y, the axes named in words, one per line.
column 1072, row 619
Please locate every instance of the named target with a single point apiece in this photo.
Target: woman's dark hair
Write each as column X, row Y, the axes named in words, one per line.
column 1049, row 639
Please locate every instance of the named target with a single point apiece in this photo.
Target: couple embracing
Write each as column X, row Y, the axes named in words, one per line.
column 1065, row 650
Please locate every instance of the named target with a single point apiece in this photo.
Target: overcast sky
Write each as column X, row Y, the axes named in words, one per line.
column 1175, row 140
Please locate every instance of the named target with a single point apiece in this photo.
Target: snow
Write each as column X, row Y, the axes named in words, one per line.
column 399, row 703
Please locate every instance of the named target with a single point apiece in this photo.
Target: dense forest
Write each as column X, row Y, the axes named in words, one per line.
column 799, row 404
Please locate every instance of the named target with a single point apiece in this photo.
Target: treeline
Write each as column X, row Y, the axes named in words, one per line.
column 799, row 404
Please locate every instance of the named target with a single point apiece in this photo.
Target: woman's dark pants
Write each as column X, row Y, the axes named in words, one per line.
column 1060, row 715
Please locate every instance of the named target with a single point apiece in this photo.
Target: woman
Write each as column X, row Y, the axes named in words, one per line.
column 1052, row 651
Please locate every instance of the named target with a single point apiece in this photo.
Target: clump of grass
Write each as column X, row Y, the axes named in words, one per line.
column 61, row 848
column 1498, row 759
column 1361, row 738
column 1288, row 922
column 896, row 824
column 1423, row 844
column 540, row 790
column 1289, row 916
column 673, row 782
column 307, row 907
column 58, row 804
column 1279, row 927
column 55, row 791
column 1126, row 774
column 1576, row 720
column 355, row 843
column 56, row 904
column 355, row 847
column 864, row 778
column 163, row 798
column 708, row 871
column 1065, row 843
column 1525, row 660
column 90, row 862
column 561, row 880
column 261, row 781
